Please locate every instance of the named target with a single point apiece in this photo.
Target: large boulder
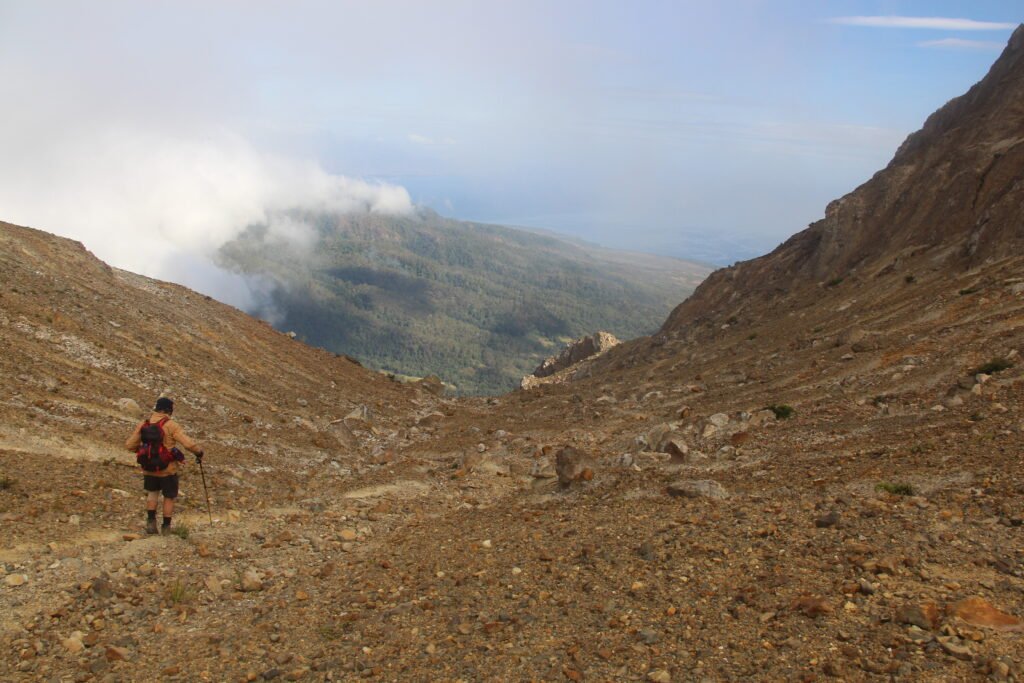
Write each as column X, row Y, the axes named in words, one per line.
column 129, row 407
column 573, row 465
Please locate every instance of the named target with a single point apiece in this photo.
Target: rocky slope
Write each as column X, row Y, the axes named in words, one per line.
column 949, row 200
column 814, row 479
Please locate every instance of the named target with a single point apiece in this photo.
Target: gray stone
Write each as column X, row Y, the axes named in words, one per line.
column 826, row 521
column 648, row 636
column 697, row 488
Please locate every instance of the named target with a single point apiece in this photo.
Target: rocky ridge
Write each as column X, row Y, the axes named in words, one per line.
column 574, row 353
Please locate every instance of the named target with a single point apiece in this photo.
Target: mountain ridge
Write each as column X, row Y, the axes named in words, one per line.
column 478, row 305
column 853, row 233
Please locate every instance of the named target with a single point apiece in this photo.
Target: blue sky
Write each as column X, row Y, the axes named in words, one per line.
column 709, row 130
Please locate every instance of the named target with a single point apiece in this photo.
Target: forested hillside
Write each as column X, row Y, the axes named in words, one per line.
column 478, row 305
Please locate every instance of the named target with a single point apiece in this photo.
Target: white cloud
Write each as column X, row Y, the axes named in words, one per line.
column 162, row 205
column 939, row 23
column 962, row 44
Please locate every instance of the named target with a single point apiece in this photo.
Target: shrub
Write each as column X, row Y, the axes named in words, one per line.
column 5, row 482
column 782, row 412
column 898, row 489
column 834, row 282
column 179, row 592
column 910, row 279
column 181, row 531
column 992, row 367
column 968, row 290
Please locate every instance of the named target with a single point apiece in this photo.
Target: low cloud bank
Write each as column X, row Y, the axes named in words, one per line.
column 162, row 205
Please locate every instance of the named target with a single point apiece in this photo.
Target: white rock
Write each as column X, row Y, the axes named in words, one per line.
column 129, row 407
column 358, row 414
column 15, row 579
column 625, row 460
column 74, row 644
column 719, row 420
column 213, row 585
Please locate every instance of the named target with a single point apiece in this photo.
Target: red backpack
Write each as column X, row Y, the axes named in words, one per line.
column 152, row 455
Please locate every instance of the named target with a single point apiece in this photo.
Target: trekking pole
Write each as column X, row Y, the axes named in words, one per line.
column 202, row 473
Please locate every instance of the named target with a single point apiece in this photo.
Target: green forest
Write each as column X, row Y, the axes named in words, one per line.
column 477, row 305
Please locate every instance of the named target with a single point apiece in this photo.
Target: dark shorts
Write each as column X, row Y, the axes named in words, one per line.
column 168, row 485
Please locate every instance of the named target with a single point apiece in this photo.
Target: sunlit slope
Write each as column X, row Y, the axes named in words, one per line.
column 478, row 305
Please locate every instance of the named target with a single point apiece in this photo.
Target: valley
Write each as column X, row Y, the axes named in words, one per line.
column 812, row 470
column 477, row 305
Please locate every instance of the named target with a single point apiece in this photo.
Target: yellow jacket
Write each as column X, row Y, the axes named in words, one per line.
column 173, row 435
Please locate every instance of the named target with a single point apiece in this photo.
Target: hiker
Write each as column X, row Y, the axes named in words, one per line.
column 155, row 444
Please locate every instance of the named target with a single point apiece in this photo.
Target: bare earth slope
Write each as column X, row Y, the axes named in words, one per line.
column 873, row 535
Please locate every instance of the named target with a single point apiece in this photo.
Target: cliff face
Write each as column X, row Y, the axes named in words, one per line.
column 952, row 194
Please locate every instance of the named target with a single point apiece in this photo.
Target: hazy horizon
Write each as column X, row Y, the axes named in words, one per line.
column 708, row 133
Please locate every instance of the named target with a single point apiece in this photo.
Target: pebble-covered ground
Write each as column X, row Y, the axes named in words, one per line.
column 834, row 494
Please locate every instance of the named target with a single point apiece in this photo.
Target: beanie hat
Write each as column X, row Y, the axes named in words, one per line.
column 164, row 405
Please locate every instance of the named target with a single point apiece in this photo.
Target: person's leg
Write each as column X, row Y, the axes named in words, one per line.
column 152, row 488
column 169, row 487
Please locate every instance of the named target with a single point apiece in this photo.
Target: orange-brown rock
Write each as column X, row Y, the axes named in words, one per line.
column 978, row 611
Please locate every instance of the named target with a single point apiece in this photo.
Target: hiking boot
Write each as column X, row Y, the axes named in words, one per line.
column 165, row 530
column 151, row 526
